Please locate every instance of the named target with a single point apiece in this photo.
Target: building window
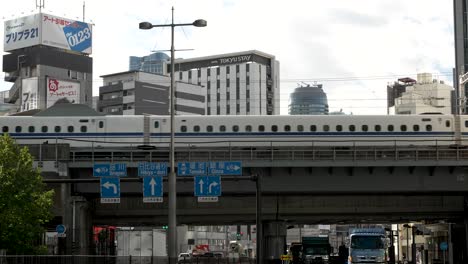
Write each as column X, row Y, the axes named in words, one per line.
column 247, row 80
column 222, row 128
column 237, row 108
column 228, row 82
column 84, row 129
column 228, row 70
column 218, row 84
column 209, row 128
column 247, row 94
column 31, row 129
column 228, row 109
column 218, row 110
column 71, row 129
column 183, row 129
column 199, row 73
column 5, row 129
column 247, row 106
column 57, row 129
column 237, row 68
column 218, row 71
column 248, row 128
column 44, row 129
column 247, row 67
column 190, row 75
column 180, row 75
column 18, row 129
column 300, row 128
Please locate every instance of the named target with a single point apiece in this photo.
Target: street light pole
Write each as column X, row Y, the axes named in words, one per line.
column 172, row 190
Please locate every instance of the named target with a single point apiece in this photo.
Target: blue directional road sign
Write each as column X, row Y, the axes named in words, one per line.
column 152, row 189
column 443, row 246
column 110, row 170
column 207, row 186
column 225, row 168
column 191, row 168
column 110, row 190
column 152, row 169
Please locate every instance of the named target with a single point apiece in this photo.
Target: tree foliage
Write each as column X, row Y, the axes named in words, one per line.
column 25, row 204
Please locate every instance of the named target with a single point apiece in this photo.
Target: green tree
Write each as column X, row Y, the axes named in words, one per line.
column 25, row 204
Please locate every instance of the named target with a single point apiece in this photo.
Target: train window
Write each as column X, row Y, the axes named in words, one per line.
column 390, row 128
column 209, row 128
column 287, row 128
column 84, row 120
column 352, row 128
column 183, row 128
column 426, row 120
column 156, row 124
column 300, row 128
column 261, row 128
column 365, row 128
column 415, row 127
column 447, row 123
column 428, row 127
column 31, row 129
column 101, row 124
column 5, row 129
column 339, row 128
column 222, row 128
column 44, row 129
column 466, row 123
column 70, row 129
column 274, row 128
column 378, row 128
column 313, row 128
column 84, row 129
column 196, row 128
column 57, row 129
column 18, row 129
column 235, row 128
column 403, row 128
column 248, row 128
column 326, row 128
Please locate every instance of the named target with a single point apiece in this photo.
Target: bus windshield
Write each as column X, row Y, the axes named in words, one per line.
column 367, row 242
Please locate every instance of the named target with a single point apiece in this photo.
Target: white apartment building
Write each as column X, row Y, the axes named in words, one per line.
column 425, row 96
column 240, row 83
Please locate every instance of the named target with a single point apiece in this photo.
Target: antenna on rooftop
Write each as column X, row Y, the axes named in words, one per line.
column 84, row 5
column 40, row 5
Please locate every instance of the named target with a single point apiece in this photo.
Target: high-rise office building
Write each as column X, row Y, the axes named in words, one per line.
column 153, row 63
column 308, row 100
column 460, row 11
column 241, row 83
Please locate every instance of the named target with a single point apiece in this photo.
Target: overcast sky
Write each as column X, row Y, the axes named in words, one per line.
column 353, row 47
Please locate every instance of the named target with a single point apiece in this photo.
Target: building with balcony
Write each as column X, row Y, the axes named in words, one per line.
column 240, row 83
column 308, row 100
column 136, row 93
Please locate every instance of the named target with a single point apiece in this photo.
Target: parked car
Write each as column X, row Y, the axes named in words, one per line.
column 184, row 258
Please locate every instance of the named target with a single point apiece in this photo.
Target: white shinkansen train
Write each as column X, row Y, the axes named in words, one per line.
column 239, row 131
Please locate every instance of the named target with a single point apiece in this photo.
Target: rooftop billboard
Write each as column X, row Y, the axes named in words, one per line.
column 49, row 30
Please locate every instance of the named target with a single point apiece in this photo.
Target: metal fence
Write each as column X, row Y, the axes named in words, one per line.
column 90, row 259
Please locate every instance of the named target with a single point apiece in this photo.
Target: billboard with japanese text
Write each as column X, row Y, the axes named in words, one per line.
column 48, row 30
column 62, row 90
column 29, row 94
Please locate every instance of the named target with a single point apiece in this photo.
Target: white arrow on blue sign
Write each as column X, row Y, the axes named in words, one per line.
column 191, row 168
column 152, row 169
column 207, row 186
column 110, row 170
column 110, row 190
column 152, row 189
column 225, row 168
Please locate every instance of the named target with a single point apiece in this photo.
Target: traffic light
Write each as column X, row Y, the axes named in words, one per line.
column 165, row 227
column 239, row 235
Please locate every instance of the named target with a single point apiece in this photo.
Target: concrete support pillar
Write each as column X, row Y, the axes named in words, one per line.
column 81, row 230
column 274, row 241
column 64, row 243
